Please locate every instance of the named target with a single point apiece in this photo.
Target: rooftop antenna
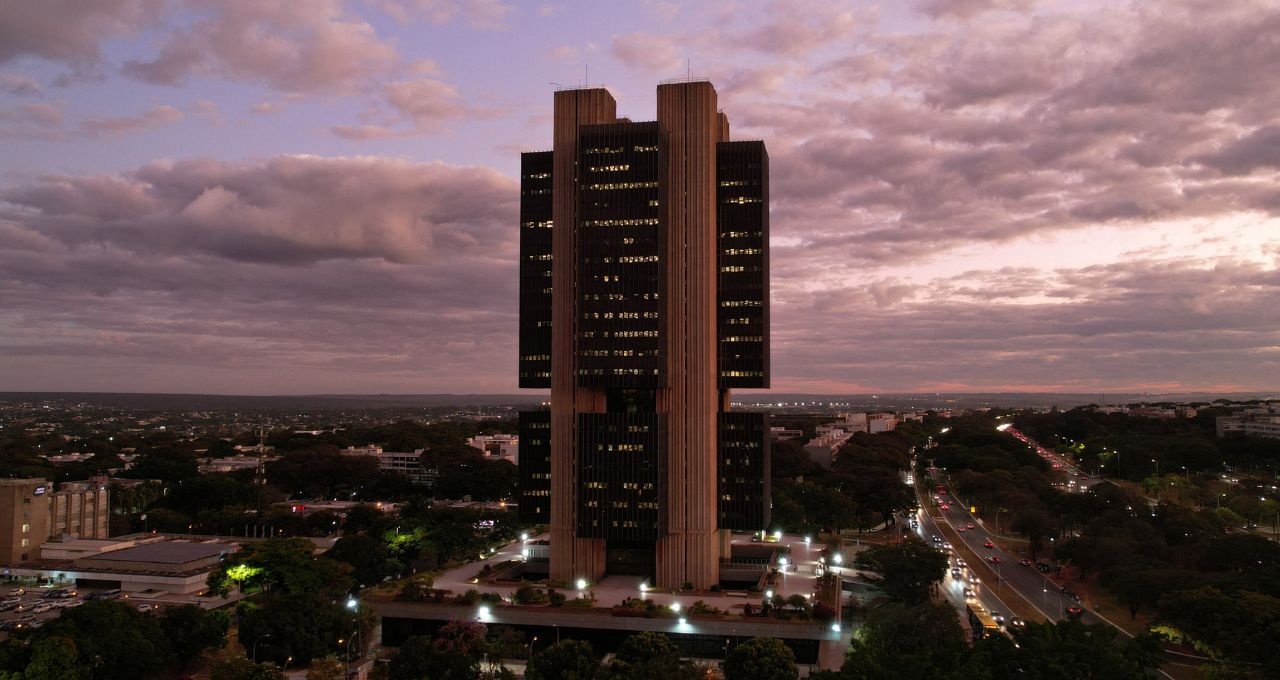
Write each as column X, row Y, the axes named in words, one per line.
column 688, row 69
column 586, row 75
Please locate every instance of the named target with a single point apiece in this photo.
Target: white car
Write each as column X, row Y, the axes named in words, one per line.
column 144, row 607
column 41, row 608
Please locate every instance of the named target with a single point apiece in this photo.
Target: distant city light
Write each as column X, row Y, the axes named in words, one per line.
column 352, row 603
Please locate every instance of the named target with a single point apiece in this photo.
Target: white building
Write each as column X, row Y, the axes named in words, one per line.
column 497, row 446
column 401, row 463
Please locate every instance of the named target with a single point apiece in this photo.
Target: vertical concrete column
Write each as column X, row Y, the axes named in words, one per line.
column 690, row 551
column 571, row 557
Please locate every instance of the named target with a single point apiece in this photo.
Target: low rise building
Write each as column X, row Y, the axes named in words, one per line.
column 497, row 446
column 401, row 463
column 135, row 563
column 1254, row 421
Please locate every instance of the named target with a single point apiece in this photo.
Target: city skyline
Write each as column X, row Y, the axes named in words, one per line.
column 968, row 195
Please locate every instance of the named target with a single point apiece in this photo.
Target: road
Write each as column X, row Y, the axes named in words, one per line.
column 953, row 588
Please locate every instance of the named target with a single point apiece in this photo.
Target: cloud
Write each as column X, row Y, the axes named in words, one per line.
column 70, row 31
column 1176, row 323
column 647, row 51
column 967, row 9
column 289, row 209
column 1256, row 150
column 13, row 83
column 123, row 125
column 564, row 53
column 313, row 47
column 482, row 14
column 293, row 273
column 412, row 107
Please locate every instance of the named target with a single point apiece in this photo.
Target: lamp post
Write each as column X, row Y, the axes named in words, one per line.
column 255, row 645
column 529, row 654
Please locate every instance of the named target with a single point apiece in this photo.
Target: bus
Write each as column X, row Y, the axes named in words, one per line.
column 981, row 622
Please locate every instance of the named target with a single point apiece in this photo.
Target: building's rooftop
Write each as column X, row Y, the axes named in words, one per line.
column 168, row 552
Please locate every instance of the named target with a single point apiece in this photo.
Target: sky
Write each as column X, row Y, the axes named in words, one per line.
column 321, row 196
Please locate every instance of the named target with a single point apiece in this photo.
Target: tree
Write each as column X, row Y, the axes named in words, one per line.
column 900, row 642
column 906, row 572
column 53, row 658
column 566, row 660
column 327, row 668
column 124, row 643
column 302, row 625
column 761, row 658
column 280, row 564
column 647, row 655
column 368, row 557
column 191, row 630
column 235, row 667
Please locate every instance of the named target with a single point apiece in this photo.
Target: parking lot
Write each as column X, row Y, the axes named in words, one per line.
column 31, row 606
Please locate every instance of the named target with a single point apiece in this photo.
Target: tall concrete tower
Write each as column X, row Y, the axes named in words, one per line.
column 643, row 300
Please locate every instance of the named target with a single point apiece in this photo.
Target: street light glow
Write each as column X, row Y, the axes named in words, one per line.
column 582, row 584
column 351, row 603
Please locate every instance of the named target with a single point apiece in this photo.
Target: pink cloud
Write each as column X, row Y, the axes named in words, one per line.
column 124, row 125
column 295, row 47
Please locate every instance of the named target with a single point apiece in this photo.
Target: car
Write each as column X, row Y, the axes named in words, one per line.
column 944, row 506
column 1017, row 622
column 17, row 592
column 970, row 525
column 961, row 563
column 144, row 607
column 1025, row 563
column 937, row 539
column 1074, row 610
column 998, row 617
column 41, row 608
column 955, row 572
column 973, row 577
column 1082, row 475
column 946, row 544
column 960, row 528
column 988, row 544
column 994, row 559
column 970, row 593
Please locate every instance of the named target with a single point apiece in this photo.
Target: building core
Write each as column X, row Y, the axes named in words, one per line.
column 644, row 299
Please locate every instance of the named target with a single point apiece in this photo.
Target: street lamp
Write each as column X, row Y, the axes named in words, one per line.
column 255, row 645
column 529, row 653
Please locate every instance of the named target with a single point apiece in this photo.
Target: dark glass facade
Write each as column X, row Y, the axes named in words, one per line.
column 535, row 467
column 620, row 476
column 620, row 244
column 742, row 221
column 743, row 471
column 660, row 307
column 535, row 269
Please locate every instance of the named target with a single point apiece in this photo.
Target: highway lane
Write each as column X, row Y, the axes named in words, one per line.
column 1042, row 592
column 953, row 588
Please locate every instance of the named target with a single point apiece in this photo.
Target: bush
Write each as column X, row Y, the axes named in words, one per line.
column 556, row 598
column 823, row 612
column 687, row 585
column 527, row 594
column 469, row 598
